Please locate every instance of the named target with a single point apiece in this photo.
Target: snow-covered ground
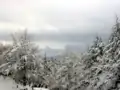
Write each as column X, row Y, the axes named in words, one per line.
column 9, row 84
column 40, row 89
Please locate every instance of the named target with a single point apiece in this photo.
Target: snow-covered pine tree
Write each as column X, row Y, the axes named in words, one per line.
column 112, row 49
column 106, row 76
column 94, row 52
column 23, row 57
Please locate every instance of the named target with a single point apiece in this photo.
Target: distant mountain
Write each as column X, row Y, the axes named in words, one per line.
column 73, row 48
column 50, row 52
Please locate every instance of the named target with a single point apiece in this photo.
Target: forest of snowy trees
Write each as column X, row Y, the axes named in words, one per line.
column 97, row 69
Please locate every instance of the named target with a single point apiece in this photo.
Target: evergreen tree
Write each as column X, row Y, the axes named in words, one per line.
column 23, row 57
column 97, row 47
column 95, row 51
column 112, row 49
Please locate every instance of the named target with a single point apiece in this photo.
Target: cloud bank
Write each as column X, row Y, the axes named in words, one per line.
column 63, row 21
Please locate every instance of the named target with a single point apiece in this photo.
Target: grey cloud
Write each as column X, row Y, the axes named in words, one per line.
column 75, row 25
column 69, row 37
column 61, row 37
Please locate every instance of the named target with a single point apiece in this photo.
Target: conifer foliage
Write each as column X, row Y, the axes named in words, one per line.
column 95, row 52
column 22, row 58
column 112, row 49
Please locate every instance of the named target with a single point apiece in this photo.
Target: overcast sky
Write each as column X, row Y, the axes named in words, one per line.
column 59, row 22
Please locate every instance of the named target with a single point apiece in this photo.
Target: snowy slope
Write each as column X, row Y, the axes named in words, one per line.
column 9, row 84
